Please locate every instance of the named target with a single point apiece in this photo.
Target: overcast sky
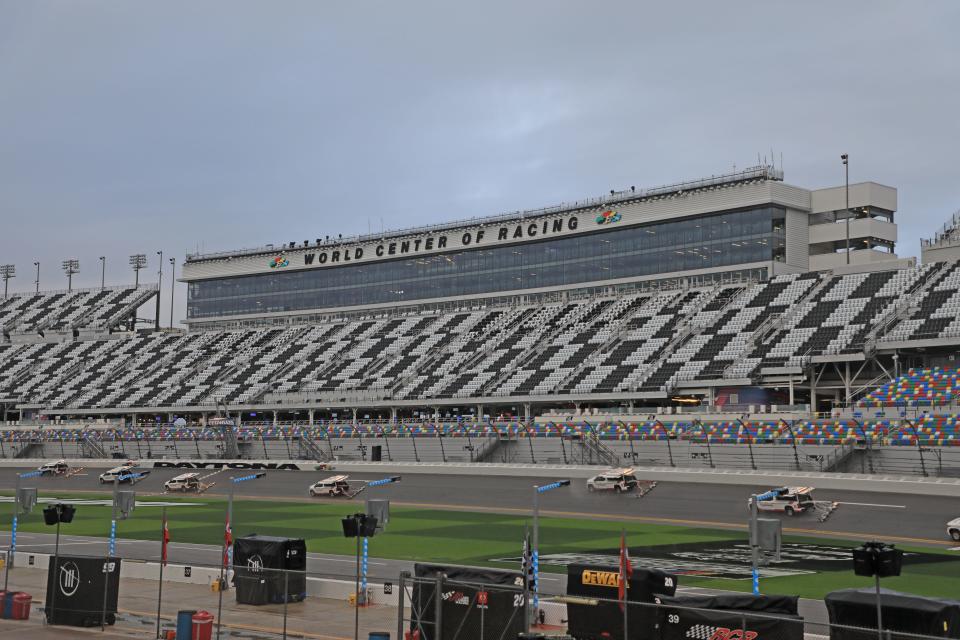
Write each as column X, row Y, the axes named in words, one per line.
column 129, row 127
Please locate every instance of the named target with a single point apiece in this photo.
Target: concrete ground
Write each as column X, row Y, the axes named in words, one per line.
column 315, row 618
column 14, row 630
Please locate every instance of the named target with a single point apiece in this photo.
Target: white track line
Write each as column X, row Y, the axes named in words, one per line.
column 870, row 504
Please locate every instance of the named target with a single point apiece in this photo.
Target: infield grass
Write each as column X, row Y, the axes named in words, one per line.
column 464, row 537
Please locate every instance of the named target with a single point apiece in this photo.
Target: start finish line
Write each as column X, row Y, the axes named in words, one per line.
column 107, row 503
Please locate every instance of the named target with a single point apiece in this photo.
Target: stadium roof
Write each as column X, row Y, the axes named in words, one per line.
column 751, row 174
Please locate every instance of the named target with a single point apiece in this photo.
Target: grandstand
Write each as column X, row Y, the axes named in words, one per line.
column 777, row 345
column 63, row 314
column 638, row 349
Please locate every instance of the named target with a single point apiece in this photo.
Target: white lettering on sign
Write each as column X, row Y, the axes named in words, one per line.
column 469, row 238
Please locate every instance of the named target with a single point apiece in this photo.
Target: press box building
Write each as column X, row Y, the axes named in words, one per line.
column 747, row 225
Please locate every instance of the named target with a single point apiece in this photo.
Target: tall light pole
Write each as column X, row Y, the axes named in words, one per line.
column 37, row 282
column 755, row 543
column 173, row 282
column 846, row 169
column 535, row 551
column 227, row 556
column 71, row 267
column 103, row 271
column 7, row 271
column 360, row 524
column 19, row 504
column 137, row 261
column 156, row 324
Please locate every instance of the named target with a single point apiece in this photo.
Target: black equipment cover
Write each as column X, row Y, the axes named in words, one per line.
column 258, row 564
column 728, row 617
column 902, row 612
column 605, row 619
column 80, row 582
column 474, row 601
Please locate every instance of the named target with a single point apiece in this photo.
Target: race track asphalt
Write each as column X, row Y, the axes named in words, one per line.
column 913, row 519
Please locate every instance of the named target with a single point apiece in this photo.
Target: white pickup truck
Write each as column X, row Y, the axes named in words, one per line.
column 786, row 500
column 953, row 529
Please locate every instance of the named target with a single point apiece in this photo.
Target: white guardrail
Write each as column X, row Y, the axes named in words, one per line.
column 910, row 485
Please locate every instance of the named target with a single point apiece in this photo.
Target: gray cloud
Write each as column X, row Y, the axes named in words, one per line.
column 128, row 127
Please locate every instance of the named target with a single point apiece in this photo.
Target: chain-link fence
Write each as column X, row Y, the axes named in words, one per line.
column 440, row 608
column 256, row 601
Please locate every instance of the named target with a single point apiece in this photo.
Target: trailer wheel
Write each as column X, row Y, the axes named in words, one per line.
column 788, row 511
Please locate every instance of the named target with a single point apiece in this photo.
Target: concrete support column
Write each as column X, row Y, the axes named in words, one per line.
column 310, row 418
column 791, row 391
column 436, row 415
column 239, row 419
column 274, row 418
column 526, row 412
column 354, row 410
column 204, row 419
column 846, row 385
column 711, row 398
column 813, row 389
column 393, row 415
column 479, row 413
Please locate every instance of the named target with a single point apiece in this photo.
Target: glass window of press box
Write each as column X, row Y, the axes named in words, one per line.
column 711, row 241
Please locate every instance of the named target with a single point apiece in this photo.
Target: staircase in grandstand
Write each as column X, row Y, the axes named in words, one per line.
column 92, row 448
column 312, row 450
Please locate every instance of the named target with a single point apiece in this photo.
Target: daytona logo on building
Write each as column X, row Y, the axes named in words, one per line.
column 608, row 217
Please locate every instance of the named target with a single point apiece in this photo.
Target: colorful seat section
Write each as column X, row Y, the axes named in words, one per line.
column 917, row 387
column 928, row 429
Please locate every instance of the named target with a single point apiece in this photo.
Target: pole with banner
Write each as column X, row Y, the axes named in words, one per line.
column 526, row 568
column 112, row 547
column 755, row 544
column 224, row 569
column 18, row 507
column 13, row 534
column 164, row 540
column 626, row 572
column 227, row 558
column 535, row 550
